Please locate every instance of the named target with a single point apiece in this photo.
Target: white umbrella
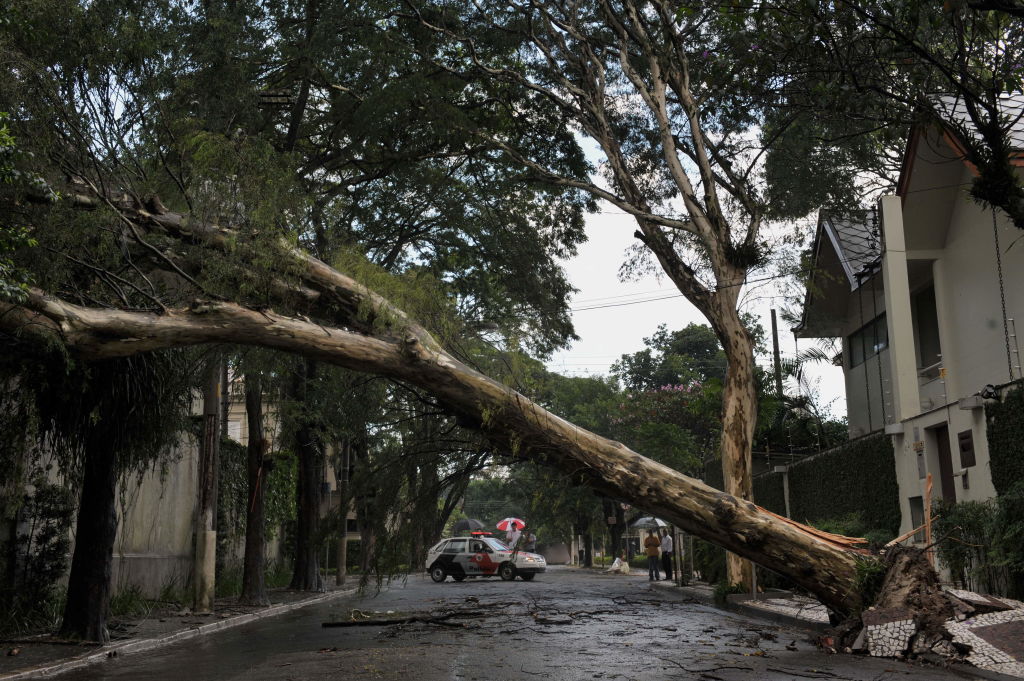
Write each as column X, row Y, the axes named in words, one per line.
column 648, row 522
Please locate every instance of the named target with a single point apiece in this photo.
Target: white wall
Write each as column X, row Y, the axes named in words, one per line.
column 153, row 548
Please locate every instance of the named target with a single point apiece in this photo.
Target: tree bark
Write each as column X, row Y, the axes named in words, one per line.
column 824, row 565
column 613, row 511
column 309, row 455
column 306, row 571
column 254, row 588
column 88, row 598
column 739, row 416
column 205, row 557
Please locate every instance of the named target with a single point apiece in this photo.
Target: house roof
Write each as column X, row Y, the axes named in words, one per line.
column 855, row 238
column 957, row 125
column 953, row 109
column 849, row 246
column 846, row 251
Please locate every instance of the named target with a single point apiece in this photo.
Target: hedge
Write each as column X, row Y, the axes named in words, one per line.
column 849, row 489
column 858, row 477
column 1005, row 429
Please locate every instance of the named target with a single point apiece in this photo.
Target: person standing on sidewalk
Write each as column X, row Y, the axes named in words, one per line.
column 528, row 541
column 666, row 554
column 652, row 546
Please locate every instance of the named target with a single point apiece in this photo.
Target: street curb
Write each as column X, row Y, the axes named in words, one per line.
column 129, row 647
column 700, row 596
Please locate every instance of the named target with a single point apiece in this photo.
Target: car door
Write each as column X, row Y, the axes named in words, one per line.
column 477, row 555
column 483, row 558
column 455, row 556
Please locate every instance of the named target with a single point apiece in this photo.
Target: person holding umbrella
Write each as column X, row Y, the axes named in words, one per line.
column 512, row 527
column 652, row 546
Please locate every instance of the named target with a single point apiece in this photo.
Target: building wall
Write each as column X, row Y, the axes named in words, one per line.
column 974, row 336
column 868, row 391
column 153, row 549
column 154, row 545
column 973, row 349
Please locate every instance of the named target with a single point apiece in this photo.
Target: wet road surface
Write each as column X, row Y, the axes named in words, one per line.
column 566, row 624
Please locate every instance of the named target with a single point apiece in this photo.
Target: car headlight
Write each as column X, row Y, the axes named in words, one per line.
column 528, row 559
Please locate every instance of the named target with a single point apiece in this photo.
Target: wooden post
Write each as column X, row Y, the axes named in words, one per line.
column 677, row 549
column 928, row 518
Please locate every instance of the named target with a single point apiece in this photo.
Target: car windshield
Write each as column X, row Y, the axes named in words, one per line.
column 496, row 545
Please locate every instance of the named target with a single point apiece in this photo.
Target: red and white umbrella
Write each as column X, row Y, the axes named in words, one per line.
column 507, row 522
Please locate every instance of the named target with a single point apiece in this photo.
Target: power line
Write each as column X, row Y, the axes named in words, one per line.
column 717, row 288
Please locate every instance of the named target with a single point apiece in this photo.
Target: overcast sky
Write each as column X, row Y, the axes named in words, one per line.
column 617, row 323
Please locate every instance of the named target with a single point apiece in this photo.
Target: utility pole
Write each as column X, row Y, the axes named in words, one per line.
column 775, row 353
column 204, row 565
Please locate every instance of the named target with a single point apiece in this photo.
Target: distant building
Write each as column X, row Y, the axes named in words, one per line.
column 926, row 306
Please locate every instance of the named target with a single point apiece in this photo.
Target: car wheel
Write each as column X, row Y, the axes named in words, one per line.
column 437, row 573
column 507, row 572
column 458, row 578
column 527, row 576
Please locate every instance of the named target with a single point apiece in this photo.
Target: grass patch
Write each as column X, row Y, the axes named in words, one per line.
column 130, row 602
column 723, row 589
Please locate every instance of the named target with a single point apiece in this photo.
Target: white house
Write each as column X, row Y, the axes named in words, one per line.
column 925, row 293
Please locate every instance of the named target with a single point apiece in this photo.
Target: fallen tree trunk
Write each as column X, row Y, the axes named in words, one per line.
column 826, row 568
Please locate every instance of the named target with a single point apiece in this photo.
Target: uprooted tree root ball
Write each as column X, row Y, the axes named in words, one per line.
column 908, row 612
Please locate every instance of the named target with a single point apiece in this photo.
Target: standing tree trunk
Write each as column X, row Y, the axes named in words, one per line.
column 309, row 451
column 88, row 599
column 739, row 416
column 254, row 589
column 616, row 519
column 306, row 573
column 204, row 573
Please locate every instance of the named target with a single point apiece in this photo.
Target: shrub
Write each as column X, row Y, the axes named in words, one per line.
column 982, row 543
column 36, row 558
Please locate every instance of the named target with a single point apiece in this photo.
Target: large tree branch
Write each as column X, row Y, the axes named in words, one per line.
column 825, row 567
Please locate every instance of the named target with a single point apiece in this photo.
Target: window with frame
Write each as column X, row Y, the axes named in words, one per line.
column 868, row 341
column 455, row 546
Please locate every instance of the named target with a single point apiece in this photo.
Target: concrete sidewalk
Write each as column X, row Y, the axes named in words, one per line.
column 995, row 633
column 41, row 656
column 779, row 607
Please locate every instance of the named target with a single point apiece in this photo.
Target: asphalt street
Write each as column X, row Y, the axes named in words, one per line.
column 566, row 624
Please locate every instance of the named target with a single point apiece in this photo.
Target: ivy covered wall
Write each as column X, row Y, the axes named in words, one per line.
column 850, row 489
column 1005, row 421
column 856, row 478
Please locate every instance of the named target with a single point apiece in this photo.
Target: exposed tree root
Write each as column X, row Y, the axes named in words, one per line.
column 910, row 591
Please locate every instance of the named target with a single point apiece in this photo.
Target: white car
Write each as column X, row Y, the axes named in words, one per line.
column 461, row 557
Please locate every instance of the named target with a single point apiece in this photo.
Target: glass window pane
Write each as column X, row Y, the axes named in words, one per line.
column 856, row 348
column 881, row 334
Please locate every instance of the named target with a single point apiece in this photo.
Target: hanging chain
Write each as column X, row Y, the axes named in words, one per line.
column 874, row 310
column 874, row 327
column 1002, row 293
